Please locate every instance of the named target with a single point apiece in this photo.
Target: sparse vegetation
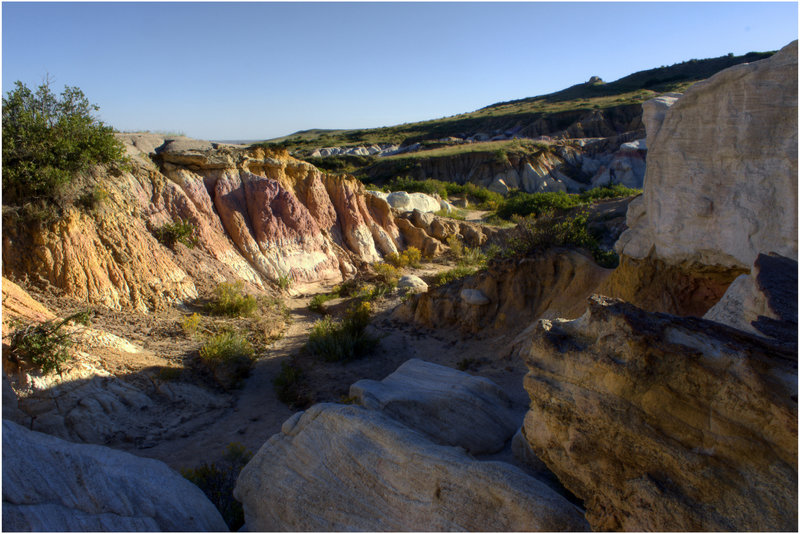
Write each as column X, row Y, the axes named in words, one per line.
column 191, row 324
column 456, row 273
column 338, row 341
column 320, row 299
column 92, row 199
column 287, row 385
column 549, row 230
column 229, row 356
column 217, row 480
column 48, row 139
column 44, row 345
column 386, row 274
column 230, row 299
column 410, row 257
column 284, row 282
column 180, row 231
column 526, row 204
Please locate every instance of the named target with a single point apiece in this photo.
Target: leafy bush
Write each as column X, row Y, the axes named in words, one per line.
column 287, row 385
column 525, row 204
column 48, row 140
column 284, row 282
column 409, row 257
column 318, row 300
column 44, row 345
column 191, row 324
column 613, row 191
column 218, row 480
column 551, row 231
column 229, row 356
column 225, row 347
column 180, row 231
column 334, row 341
column 230, row 299
column 387, row 274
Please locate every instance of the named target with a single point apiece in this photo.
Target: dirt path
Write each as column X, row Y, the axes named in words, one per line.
column 255, row 414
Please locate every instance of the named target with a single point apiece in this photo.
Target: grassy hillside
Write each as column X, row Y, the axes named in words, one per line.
column 618, row 98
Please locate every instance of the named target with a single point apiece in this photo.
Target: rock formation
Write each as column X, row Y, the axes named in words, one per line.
column 665, row 423
column 764, row 302
column 554, row 283
column 337, row 467
column 256, row 215
column 54, row 485
column 448, row 406
column 720, row 187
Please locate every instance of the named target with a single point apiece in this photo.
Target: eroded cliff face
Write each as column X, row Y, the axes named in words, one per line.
column 720, row 186
column 257, row 216
column 665, row 423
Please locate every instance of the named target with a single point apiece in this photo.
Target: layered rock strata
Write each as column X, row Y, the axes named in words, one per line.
column 665, row 423
column 54, row 485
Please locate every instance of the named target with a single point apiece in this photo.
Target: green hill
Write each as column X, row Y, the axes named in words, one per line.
column 618, row 102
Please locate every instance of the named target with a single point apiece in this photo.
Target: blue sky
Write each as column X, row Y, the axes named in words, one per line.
column 261, row 70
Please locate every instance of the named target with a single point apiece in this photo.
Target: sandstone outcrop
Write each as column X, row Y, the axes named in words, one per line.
column 764, row 302
column 665, row 423
column 337, row 467
column 554, row 283
column 54, row 485
column 448, row 406
column 721, row 182
column 256, row 215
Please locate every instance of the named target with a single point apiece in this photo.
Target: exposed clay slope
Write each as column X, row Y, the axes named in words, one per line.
column 665, row 423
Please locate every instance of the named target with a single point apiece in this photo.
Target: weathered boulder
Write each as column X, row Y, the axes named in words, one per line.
column 721, row 181
column 450, row 407
column 54, row 485
column 412, row 283
column 402, row 201
column 764, row 302
column 337, row 467
column 665, row 423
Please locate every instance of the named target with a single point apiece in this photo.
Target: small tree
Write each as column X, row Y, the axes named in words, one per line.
column 48, row 139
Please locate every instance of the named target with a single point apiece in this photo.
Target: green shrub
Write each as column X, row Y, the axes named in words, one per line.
column 230, row 299
column 525, row 204
column 287, row 385
column 225, row 347
column 456, row 273
column 318, row 300
column 456, row 214
column 613, row 191
column 229, row 356
column 180, row 231
column 44, row 345
column 456, row 246
column 218, row 480
column 191, row 324
column 336, row 341
column 48, row 140
column 386, row 274
column 408, row 258
column 284, row 281
column 472, row 256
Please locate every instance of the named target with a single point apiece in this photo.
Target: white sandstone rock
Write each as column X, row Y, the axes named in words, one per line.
column 451, row 407
column 347, row 468
column 53, row 485
column 412, row 284
column 721, row 181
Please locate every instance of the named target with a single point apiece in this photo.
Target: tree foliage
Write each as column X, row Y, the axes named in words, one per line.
column 48, row 139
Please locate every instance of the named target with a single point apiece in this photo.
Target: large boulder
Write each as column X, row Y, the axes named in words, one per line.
column 337, row 467
column 664, row 423
column 448, row 406
column 54, row 485
column 721, row 179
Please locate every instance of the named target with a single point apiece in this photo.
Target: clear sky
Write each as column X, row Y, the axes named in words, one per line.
column 262, row 70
